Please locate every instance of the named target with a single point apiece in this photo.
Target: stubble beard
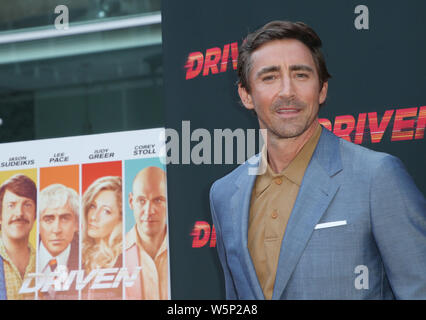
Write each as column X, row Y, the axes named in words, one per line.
column 289, row 128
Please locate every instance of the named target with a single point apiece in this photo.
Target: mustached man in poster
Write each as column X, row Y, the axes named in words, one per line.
column 146, row 242
column 102, row 232
column 59, row 245
column 18, row 200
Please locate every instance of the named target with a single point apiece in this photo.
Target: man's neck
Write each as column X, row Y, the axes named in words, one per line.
column 45, row 255
column 18, row 252
column 152, row 244
column 282, row 151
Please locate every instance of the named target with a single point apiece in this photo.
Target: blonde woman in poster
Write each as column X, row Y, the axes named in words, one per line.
column 102, row 232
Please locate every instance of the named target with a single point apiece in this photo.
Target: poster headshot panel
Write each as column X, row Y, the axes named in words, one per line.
column 61, row 215
column 146, row 243
column 18, row 207
column 59, row 212
column 102, row 225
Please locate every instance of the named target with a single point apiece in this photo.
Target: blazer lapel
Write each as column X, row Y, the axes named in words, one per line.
column 240, row 202
column 315, row 194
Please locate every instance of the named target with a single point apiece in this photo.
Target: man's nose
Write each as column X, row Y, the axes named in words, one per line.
column 56, row 226
column 149, row 208
column 19, row 211
column 287, row 89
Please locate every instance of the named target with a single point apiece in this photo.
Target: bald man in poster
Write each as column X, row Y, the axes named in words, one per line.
column 146, row 242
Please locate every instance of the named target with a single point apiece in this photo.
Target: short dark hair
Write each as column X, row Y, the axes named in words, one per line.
column 20, row 185
column 278, row 30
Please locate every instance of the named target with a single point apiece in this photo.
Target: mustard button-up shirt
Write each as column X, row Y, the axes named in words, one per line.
column 12, row 276
column 272, row 201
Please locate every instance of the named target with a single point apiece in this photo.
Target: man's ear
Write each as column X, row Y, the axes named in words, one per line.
column 245, row 97
column 323, row 92
column 131, row 200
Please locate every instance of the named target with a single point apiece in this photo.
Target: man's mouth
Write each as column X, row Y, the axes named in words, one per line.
column 288, row 107
column 56, row 241
column 19, row 221
column 287, row 112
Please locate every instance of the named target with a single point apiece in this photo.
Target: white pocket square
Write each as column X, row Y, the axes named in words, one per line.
column 330, row 224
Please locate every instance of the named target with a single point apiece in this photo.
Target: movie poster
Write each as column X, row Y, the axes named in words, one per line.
column 85, row 218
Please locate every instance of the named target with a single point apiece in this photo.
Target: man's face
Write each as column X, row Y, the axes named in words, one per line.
column 18, row 216
column 285, row 90
column 148, row 202
column 57, row 228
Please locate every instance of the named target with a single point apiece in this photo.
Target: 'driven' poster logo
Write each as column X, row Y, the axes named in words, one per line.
column 215, row 60
column 407, row 124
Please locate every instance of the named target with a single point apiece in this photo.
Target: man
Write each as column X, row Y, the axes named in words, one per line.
column 18, row 199
column 146, row 242
column 327, row 219
column 58, row 249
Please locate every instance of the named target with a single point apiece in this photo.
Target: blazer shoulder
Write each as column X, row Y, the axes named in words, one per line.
column 358, row 162
column 360, row 156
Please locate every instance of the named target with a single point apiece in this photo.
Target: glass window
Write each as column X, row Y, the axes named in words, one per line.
column 20, row 14
column 103, row 74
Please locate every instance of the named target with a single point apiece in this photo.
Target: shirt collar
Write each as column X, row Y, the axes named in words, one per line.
column 132, row 238
column 45, row 256
column 296, row 168
column 4, row 254
column 31, row 263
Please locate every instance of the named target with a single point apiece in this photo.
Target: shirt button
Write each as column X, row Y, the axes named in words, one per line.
column 278, row 181
column 274, row 214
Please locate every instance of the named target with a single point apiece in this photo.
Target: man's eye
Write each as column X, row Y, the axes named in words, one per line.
column 301, row 75
column 48, row 219
column 269, row 78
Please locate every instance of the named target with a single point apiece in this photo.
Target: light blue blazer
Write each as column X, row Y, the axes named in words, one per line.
column 357, row 229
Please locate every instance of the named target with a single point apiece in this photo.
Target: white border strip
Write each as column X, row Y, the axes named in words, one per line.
column 37, row 244
column 80, row 223
column 80, row 29
column 123, row 224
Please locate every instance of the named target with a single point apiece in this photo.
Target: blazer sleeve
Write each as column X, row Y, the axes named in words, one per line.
column 398, row 218
column 231, row 293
